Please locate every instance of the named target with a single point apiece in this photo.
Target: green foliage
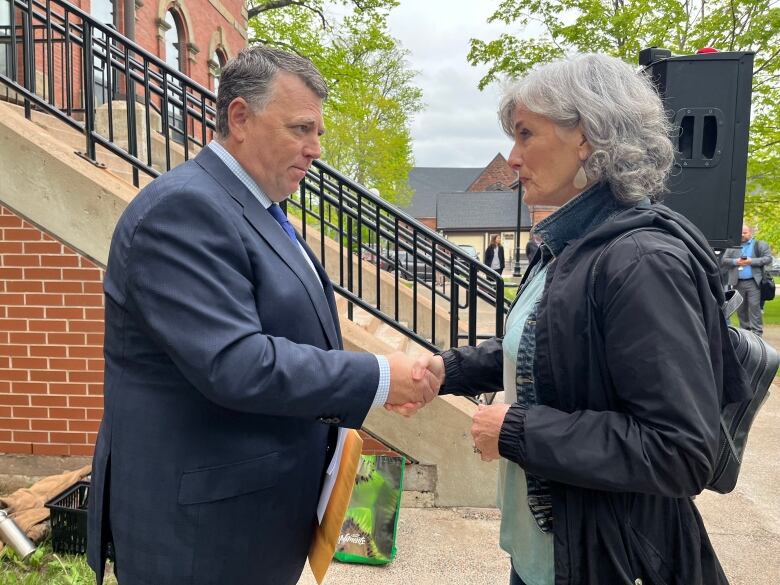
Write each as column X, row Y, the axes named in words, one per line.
column 623, row 27
column 372, row 100
column 44, row 567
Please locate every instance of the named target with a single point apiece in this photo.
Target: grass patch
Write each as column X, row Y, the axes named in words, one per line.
column 46, row 568
column 510, row 288
column 772, row 308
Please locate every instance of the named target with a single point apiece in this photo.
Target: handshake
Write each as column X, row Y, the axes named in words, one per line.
column 414, row 382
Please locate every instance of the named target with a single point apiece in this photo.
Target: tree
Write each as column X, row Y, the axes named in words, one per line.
column 622, row 28
column 372, row 96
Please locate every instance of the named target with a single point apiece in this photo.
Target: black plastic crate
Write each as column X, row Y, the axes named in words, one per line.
column 69, row 520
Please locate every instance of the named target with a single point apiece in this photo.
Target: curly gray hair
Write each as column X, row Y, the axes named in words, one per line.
column 621, row 115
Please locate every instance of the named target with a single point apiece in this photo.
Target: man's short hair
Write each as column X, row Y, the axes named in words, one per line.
column 251, row 73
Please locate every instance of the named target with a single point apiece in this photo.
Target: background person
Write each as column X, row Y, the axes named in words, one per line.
column 494, row 255
column 613, row 407
column 225, row 381
column 746, row 266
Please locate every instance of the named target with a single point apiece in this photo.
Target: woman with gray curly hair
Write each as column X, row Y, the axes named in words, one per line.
column 615, row 349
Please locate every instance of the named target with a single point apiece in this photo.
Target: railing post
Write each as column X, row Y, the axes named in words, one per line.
column 500, row 307
column 49, row 53
column 28, row 54
column 88, row 89
column 350, row 308
column 472, row 304
column 454, row 306
column 132, row 136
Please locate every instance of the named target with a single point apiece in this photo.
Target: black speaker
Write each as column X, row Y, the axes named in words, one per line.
column 707, row 98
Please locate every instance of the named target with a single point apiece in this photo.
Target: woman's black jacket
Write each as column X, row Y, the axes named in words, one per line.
column 489, row 257
column 629, row 389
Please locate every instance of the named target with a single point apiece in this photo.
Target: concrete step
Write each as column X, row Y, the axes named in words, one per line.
column 73, row 139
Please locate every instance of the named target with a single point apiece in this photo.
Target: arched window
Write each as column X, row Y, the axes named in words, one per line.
column 175, row 58
column 173, row 42
column 103, row 12
column 216, row 63
column 5, row 33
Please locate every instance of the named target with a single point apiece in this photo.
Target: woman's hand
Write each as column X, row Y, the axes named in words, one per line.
column 486, row 427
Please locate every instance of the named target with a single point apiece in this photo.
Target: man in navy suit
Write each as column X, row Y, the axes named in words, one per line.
column 225, row 376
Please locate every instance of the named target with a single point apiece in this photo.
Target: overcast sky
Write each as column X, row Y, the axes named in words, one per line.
column 459, row 126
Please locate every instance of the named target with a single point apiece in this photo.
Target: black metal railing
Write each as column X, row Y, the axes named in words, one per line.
column 121, row 98
column 390, row 265
column 127, row 102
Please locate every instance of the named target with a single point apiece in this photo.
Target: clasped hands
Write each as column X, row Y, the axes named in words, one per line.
column 415, row 382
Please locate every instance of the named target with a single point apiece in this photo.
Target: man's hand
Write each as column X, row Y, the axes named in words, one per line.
column 485, row 429
column 744, row 261
column 435, row 365
column 412, row 385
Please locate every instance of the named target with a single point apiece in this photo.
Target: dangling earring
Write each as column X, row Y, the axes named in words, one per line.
column 580, row 179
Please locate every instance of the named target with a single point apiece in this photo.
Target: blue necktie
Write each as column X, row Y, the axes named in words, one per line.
column 277, row 213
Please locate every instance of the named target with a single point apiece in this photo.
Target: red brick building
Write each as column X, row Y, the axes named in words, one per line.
column 194, row 36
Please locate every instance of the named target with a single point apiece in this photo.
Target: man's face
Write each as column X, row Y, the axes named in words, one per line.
column 747, row 233
column 278, row 144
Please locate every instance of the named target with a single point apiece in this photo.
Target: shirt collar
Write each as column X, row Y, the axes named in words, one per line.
column 239, row 171
column 577, row 217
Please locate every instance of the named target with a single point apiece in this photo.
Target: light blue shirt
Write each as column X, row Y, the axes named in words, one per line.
column 531, row 549
column 746, row 272
column 383, row 388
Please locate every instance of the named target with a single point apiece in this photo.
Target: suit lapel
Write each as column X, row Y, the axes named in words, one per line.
column 328, row 287
column 270, row 230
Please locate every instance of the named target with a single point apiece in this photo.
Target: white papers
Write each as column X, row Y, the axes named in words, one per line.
column 330, row 474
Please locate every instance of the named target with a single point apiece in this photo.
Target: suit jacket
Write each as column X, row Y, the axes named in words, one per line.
column 221, row 383
column 761, row 257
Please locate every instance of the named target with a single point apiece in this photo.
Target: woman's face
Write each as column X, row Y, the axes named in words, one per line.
column 546, row 158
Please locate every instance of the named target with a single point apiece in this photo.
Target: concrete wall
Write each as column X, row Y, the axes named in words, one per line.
column 438, row 434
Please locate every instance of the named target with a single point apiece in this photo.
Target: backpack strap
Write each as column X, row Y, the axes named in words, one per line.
column 597, row 263
column 733, row 298
column 732, row 302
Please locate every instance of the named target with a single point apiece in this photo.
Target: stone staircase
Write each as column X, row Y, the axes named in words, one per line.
column 74, row 140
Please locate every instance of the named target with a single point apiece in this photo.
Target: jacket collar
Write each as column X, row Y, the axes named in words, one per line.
column 576, row 218
column 268, row 228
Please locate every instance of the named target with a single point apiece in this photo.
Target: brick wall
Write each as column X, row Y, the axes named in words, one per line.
column 200, row 20
column 497, row 176
column 539, row 212
column 51, row 345
column 373, row 446
column 51, row 339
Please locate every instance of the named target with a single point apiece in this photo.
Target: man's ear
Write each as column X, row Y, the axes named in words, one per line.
column 238, row 117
